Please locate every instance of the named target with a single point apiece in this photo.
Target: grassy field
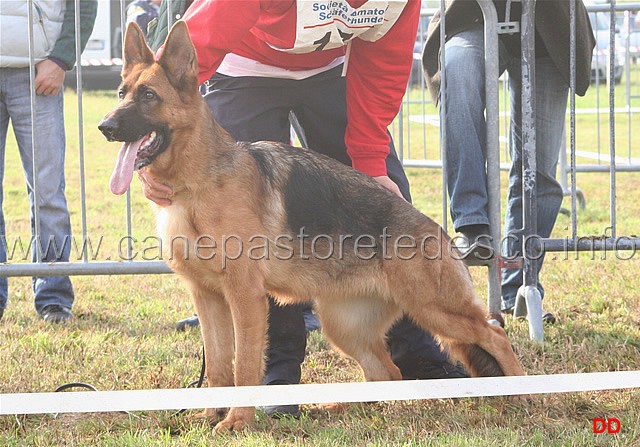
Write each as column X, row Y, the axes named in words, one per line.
column 122, row 336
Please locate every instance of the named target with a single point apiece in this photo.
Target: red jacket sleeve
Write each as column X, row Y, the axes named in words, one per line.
column 377, row 77
column 216, row 27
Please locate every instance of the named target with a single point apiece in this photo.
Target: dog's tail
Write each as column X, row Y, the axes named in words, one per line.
column 477, row 361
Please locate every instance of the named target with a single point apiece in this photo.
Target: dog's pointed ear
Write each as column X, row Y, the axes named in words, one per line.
column 179, row 58
column 136, row 50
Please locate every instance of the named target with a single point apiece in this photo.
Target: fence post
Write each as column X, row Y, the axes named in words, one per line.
column 528, row 299
column 493, row 150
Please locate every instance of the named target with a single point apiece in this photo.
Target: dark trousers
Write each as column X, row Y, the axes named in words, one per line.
column 254, row 109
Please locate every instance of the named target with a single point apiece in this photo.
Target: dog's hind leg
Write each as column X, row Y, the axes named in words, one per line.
column 483, row 348
column 357, row 327
column 217, row 334
column 439, row 296
column 492, row 356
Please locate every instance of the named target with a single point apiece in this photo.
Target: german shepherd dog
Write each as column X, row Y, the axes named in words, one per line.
column 252, row 219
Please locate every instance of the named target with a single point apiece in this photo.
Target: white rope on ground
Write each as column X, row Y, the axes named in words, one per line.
column 169, row 399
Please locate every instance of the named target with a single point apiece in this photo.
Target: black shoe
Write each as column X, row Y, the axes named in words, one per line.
column 474, row 243
column 474, row 240
column 425, row 369
column 1, row 313
column 282, row 411
column 54, row 313
column 547, row 317
column 190, row 322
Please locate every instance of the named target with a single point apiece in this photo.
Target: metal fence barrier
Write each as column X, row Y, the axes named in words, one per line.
column 417, row 132
column 114, row 11
column 420, row 129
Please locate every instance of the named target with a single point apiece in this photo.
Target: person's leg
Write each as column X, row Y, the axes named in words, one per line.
column 55, row 292
column 551, row 103
column 287, row 344
column 464, row 98
column 323, row 115
column 250, row 108
column 4, row 124
column 253, row 109
column 311, row 321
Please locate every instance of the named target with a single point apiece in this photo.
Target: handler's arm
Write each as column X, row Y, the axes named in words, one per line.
column 377, row 77
column 216, row 27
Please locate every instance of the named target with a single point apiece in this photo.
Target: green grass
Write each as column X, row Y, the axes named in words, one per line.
column 122, row 336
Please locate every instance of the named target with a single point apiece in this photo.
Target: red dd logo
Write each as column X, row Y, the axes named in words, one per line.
column 609, row 425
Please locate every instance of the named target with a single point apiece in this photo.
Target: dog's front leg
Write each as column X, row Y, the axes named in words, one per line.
column 216, row 326
column 249, row 310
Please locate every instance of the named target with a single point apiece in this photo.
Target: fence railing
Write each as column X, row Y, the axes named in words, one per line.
column 417, row 131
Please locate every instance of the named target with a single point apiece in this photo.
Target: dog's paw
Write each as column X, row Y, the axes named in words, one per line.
column 237, row 419
column 212, row 414
column 333, row 407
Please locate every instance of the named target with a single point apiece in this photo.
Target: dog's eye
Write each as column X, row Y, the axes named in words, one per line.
column 149, row 95
column 121, row 94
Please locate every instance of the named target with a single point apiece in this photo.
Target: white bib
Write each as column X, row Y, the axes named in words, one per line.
column 326, row 24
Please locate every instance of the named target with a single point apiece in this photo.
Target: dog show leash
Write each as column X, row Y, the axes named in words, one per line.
column 197, row 383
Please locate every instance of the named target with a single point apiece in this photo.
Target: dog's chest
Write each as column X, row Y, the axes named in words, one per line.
column 185, row 248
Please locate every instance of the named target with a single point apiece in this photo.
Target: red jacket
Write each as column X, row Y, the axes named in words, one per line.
column 311, row 34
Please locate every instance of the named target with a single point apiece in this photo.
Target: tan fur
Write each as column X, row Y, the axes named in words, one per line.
column 219, row 192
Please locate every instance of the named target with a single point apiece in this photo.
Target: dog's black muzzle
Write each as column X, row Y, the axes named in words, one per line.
column 108, row 126
column 125, row 123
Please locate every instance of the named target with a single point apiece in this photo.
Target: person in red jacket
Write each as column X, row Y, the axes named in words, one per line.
column 342, row 68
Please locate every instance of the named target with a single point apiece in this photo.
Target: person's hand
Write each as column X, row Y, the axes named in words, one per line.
column 49, row 78
column 157, row 192
column 389, row 184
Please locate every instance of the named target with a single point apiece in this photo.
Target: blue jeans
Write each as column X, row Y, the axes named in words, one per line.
column 55, row 225
column 466, row 151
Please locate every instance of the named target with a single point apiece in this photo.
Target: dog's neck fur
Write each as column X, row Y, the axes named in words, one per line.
column 203, row 150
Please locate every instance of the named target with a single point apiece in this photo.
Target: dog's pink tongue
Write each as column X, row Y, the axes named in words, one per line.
column 125, row 164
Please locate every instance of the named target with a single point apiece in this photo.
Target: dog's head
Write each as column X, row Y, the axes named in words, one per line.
column 152, row 96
